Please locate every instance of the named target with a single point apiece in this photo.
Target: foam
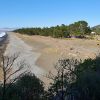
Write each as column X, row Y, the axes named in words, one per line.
column 2, row 34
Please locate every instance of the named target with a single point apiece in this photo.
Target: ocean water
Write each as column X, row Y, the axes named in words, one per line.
column 3, row 37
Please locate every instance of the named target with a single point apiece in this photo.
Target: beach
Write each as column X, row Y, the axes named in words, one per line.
column 18, row 46
column 42, row 53
column 52, row 49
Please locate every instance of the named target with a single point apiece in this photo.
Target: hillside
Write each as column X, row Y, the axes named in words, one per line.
column 97, row 26
column 96, row 29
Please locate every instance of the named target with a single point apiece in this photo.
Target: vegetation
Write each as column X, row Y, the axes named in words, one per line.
column 27, row 87
column 17, row 83
column 75, row 80
column 77, row 29
column 96, row 29
column 9, row 75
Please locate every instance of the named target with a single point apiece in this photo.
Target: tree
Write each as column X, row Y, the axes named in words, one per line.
column 76, row 80
column 88, row 80
column 64, row 77
column 79, row 28
column 9, row 73
column 30, row 87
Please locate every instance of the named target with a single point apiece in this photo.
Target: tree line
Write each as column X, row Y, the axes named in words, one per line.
column 78, row 29
column 74, row 80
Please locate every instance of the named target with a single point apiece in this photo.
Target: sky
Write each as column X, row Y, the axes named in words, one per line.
column 46, row 13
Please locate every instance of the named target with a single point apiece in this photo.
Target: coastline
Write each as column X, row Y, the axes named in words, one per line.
column 52, row 49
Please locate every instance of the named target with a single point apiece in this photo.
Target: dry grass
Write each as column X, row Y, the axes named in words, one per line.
column 52, row 49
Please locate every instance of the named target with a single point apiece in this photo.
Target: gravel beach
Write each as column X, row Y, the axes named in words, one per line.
column 15, row 46
column 52, row 49
column 42, row 53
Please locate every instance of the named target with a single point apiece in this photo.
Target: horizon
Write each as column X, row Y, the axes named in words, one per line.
column 43, row 13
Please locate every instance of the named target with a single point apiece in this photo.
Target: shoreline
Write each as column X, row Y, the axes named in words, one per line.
column 52, row 49
column 61, row 48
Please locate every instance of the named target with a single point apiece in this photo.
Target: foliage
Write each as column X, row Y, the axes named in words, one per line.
column 84, row 80
column 64, row 78
column 9, row 74
column 30, row 87
column 27, row 87
column 79, row 28
column 75, row 80
column 96, row 29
